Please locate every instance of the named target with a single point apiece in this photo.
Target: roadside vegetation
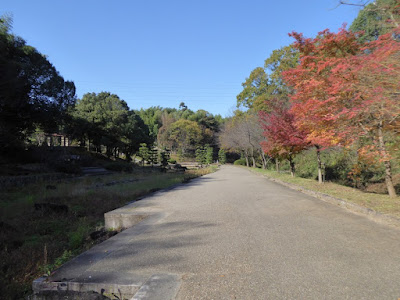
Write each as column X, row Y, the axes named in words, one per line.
column 378, row 202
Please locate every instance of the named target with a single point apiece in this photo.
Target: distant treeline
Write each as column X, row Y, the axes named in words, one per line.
column 36, row 102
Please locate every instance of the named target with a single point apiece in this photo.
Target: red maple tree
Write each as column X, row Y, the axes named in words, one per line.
column 346, row 91
column 283, row 139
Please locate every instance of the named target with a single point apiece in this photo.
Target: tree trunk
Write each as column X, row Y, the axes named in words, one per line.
column 246, row 155
column 264, row 160
column 320, row 181
column 254, row 161
column 128, row 157
column 277, row 165
column 292, row 166
column 386, row 162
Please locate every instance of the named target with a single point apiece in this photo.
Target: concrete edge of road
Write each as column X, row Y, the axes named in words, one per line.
column 352, row 207
column 158, row 286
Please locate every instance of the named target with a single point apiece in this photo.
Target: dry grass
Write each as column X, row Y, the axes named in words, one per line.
column 378, row 202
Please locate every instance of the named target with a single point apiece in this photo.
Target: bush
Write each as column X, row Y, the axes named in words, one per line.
column 240, row 162
column 119, row 166
column 306, row 164
column 342, row 166
column 172, row 161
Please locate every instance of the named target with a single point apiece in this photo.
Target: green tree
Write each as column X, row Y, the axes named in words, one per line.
column 153, row 155
column 184, row 135
column 164, row 157
column 375, row 19
column 276, row 64
column 152, row 118
column 133, row 132
column 106, row 113
column 265, row 86
column 201, row 155
column 144, row 153
column 32, row 92
column 222, row 156
column 254, row 92
column 209, row 154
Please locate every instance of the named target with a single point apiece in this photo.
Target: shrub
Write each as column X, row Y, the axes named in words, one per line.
column 240, row 162
column 172, row 161
column 222, row 156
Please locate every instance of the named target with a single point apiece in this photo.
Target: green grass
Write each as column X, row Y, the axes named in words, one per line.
column 378, row 202
column 34, row 242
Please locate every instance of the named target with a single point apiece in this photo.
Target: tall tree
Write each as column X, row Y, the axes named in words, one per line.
column 283, row 138
column 243, row 133
column 32, row 92
column 106, row 113
column 133, row 132
column 375, row 19
column 346, row 92
column 265, row 86
column 184, row 135
column 311, row 101
column 152, row 118
column 254, row 91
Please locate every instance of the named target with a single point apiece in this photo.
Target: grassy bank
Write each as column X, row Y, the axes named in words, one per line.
column 45, row 224
column 377, row 202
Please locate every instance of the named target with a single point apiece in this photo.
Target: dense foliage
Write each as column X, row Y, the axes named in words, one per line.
column 32, row 93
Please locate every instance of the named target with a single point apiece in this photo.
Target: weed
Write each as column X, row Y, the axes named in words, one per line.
column 59, row 261
column 77, row 237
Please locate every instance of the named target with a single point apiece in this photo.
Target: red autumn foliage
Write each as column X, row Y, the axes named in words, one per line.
column 345, row 91
column 283, row 138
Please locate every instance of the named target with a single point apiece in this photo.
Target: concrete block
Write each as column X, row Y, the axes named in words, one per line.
column 120, row 219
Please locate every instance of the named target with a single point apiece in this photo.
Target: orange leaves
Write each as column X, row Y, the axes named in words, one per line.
column 340, row 84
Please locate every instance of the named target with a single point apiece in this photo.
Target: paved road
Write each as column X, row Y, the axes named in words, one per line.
column 236, row 235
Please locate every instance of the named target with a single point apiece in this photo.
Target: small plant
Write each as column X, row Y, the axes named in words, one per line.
column 77, row 237
column 58, row 262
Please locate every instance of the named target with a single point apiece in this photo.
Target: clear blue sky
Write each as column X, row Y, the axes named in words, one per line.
column 164, row 52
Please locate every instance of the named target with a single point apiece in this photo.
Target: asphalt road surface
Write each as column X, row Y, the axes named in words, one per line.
column 235, row 235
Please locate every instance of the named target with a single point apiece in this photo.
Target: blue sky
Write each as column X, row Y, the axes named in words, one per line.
column 164, row 52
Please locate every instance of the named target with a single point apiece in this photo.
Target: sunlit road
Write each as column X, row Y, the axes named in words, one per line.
column 236, row 235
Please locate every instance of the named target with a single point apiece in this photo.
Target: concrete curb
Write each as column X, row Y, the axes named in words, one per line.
column 352, row 207
column 41, row 285
column 128, row 215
